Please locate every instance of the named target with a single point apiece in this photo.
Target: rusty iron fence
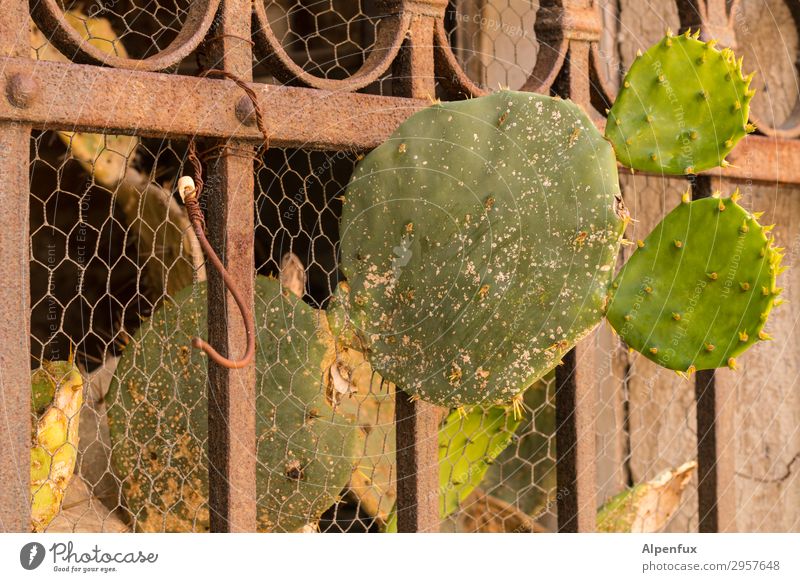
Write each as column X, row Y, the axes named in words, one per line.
column 89, row 240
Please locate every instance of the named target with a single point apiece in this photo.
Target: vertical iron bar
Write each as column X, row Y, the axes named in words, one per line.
column 15, row 375
column 575, row 439
column 576, row 383
column 229, row 200
column 716, row 494
column 417, row 429
column 417, row 422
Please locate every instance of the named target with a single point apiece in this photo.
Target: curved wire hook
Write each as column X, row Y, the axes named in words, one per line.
column 188, row 193
column 190, row 190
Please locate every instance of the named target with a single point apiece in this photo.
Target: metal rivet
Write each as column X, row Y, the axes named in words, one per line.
column 20, row 90
column 245, row 111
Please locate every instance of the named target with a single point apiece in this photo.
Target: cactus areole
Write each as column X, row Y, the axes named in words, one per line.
column 479, row 243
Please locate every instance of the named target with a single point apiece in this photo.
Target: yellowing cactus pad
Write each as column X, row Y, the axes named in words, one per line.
column 57, row 396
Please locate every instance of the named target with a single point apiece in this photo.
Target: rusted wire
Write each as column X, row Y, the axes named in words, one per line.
column 195, row 213
column 190, row 192
column 251, row 94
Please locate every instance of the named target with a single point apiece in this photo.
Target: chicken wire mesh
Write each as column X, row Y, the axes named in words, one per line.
column 126, row 28
column 113, row 251
column 329, row 38
column 113, row 255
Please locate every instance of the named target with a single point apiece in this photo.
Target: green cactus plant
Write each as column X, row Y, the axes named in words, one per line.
column 469, row 443
column 524, row 474
column 682, row 107
column 697, row 291
column 56, row 399
column 479, row 241
column 475, row 229
column 158, row 417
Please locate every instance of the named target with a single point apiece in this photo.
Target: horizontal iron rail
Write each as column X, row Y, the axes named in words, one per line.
column 162, row 105
column 120, row 101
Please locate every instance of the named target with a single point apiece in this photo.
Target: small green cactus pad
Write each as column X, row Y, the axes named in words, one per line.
column 524, row 474
column 682, row 108
column 469, row 442
column 698, row 290
column 158, row 417
column 478, row 244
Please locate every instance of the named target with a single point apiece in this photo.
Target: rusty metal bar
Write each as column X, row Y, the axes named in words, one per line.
column 417, row 429
column 161, row 105
column 716, row 493
column 417, row 422
column 576, row 382
column 229, row 201
column 15, row 374
column 576, row 397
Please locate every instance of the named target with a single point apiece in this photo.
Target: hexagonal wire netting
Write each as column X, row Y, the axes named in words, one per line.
column 118, row 279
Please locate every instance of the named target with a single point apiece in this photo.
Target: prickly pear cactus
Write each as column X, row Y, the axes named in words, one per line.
column 698, row 291
column 57, row 396
column 158, row 417
column 469, row 443
column 478, row 244
column 682, row 108
column 524, row 474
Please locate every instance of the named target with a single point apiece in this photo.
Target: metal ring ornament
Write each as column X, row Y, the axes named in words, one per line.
column 451, row 75
column 557, row 24
column 389, row 38
column 49, row 17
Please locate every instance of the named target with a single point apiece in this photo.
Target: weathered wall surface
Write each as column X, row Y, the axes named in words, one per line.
column 660, row 429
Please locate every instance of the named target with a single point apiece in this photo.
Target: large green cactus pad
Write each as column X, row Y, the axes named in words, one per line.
column 682, row 108
column 698, row 290
column 158, row 417
column 478, row 244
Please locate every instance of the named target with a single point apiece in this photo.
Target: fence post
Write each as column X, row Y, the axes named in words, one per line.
column 15, row 367
column 576, row 382
column 716, row 443
column 417, row 422
column 229, row 200
column 716, row 496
